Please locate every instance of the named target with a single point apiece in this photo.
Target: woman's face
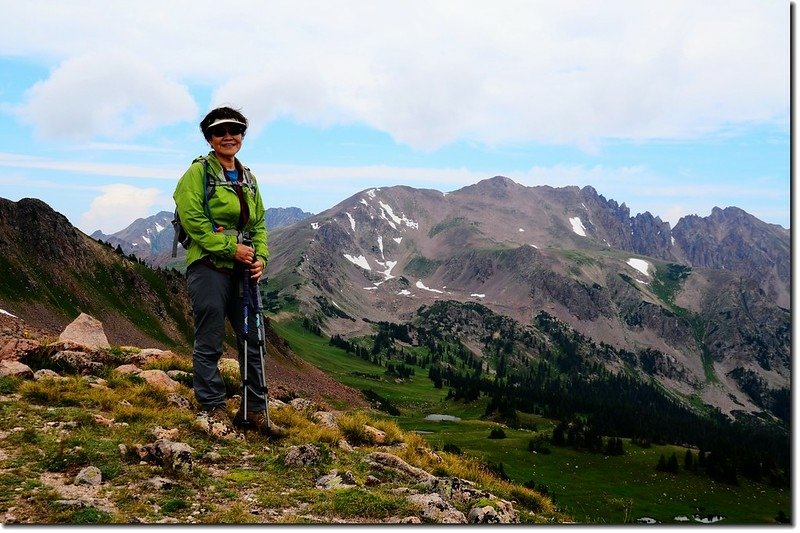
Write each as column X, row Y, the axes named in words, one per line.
column 223, row 142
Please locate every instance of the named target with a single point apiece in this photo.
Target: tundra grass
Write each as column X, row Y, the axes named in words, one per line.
column 416, row 392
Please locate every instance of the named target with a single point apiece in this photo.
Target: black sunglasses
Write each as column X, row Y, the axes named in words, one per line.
column 227, row 129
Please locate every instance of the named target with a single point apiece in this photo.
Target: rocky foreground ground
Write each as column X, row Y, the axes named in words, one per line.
column 334, row 466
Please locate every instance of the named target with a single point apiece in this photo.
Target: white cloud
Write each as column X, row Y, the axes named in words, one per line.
column 89, row 167
column 119, row 205
column 428, row 73
column 116, row 95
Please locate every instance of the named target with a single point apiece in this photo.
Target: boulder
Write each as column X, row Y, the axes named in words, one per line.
column 433, row 508
column 14, row 349
column 159, row 379
column 76, row 361
column 85, row 330
column 15, row 369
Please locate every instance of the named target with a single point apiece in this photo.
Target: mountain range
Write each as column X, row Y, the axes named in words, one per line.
column 702, row 308
column 150, row 239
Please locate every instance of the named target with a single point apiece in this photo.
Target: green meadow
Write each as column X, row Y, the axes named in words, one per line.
column 589, row 487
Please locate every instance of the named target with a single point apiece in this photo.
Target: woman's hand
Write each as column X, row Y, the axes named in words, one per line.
column 256, row 269
column 245, row 254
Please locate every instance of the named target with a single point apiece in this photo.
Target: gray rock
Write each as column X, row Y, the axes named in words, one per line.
column 80, row 362
column 174, row 455
column 307, row 454
column 46, row 373
column 90, row 475
column 180, row 401
column 301, row 404
column 387, row 462
column 483, row 515
column 326, row 419
column 334, row 480
column 435, row 509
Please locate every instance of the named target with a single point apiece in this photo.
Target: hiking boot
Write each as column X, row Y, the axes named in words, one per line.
column 217, row 422
column 259, row 421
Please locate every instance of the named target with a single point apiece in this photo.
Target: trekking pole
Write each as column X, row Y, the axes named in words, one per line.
column 261, row 347
column 245, row 332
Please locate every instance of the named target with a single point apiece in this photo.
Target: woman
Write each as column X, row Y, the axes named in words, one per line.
column 221, row 210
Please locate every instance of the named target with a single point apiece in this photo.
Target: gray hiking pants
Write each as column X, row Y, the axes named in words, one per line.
column 216, row 296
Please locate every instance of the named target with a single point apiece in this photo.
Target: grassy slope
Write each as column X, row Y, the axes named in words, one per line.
column 590, row 487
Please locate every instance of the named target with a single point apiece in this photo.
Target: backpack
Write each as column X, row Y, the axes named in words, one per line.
column 209, row 184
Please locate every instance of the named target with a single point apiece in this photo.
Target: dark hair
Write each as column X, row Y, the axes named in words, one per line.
column 218, row 113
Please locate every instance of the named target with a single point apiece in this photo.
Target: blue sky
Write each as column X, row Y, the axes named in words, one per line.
column 670, row 107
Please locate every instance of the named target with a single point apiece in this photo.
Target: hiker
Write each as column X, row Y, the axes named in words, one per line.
column 221, row 211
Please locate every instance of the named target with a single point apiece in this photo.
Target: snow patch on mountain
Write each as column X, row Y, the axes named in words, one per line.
column 577, row 226
column 380, row 246
column 394, row 218
column 639, row 264
column 352, row 220
column 397, row 239
column 358, row 261
column 4, row 312
column 388, row 265
column 422, row 286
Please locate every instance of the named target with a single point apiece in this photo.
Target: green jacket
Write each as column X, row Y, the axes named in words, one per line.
column 224, row 207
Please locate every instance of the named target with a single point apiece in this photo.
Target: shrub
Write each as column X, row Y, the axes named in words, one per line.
column 497, row 433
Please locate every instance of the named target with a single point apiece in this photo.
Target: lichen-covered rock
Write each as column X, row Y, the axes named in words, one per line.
column 179, row 401
column 216, row 428
column 306, row 454
column 46, row 373
column 435, row 509
column 301, row 404
column 77, row 361
column 335, row 480
column 174, row 455
column 90, row 475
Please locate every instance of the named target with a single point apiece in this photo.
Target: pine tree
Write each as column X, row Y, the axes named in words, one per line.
column 662, row 464
column 672, row 464
column 688, row 460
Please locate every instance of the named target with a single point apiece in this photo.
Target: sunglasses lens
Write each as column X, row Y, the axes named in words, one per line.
column 233, row 129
